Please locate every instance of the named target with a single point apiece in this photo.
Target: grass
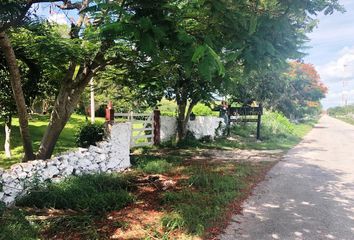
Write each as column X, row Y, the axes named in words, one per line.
column 87, row 198
column 205, row 197
column 15, row 226
column 204, row 193
column 37, row 125
column 95, row 194
column 82, row 225
column 243, row 137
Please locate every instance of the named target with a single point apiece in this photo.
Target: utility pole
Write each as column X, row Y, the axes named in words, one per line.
column 92, row 95
column 344, row 84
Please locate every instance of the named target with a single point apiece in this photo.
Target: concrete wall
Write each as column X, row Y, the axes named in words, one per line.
column 205, row 126
column 108, row 156
column 200, row 127
column 168, row 128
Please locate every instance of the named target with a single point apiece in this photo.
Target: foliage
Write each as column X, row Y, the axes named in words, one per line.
column 275, row 123
column 183, row 50
column 169, row 108
column 89, row 134
column 304, row 91
column 95, row 194
column 341, row 111
column 201, row 109
column 344, row 113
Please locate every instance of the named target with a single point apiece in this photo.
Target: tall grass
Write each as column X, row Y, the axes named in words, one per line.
column 95, row 194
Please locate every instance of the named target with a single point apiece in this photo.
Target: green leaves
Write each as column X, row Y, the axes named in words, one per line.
column 253, row 25
column 199, row 53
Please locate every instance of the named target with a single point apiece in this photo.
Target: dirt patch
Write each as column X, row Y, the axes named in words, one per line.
column 239, row 155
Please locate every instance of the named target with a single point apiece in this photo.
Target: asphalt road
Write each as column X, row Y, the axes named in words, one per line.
column 308, row 195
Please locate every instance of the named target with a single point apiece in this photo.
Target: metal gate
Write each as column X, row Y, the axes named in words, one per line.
column 142, row 127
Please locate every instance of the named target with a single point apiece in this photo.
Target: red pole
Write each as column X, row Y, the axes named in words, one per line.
column 110, row 112
column 157, row 126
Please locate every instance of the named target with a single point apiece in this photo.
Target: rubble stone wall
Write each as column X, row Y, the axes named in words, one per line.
column 108, row 156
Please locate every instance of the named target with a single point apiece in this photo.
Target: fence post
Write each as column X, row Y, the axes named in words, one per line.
column 110, row 113
column 157, row 125
column 259, row 121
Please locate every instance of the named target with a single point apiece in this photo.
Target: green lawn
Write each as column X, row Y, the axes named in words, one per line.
column 38, row 124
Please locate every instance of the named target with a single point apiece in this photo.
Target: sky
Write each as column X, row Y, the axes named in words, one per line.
column 332, row 53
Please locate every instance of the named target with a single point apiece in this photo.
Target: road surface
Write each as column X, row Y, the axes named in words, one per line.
column 308, row 195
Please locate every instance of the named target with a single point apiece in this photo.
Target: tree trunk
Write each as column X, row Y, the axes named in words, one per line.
column 15, row 79
column 67, row 99
column 7, row 145
column 181, row 127
column 183, row 118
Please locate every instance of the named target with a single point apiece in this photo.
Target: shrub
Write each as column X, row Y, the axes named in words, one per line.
column 202, row 110
column 101, row 111
column 275, row 123
column 89, row 134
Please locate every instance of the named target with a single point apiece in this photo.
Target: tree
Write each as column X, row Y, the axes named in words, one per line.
column 7, row 108
column 30, row 70
column 192, row 39
column 205, row 54
column 304, row 90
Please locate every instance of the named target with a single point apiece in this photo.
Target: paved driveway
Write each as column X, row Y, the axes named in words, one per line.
column 308, row 195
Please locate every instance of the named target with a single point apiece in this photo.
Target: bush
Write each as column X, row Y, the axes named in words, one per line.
column 275, row 123
column 202, row 110
column 89, row 134
column 101, row 111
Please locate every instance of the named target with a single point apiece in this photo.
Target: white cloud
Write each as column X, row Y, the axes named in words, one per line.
column 338, row 76
column 340, row 69
column 58, row 18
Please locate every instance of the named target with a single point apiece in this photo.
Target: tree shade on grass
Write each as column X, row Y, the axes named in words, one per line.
column 37, row 126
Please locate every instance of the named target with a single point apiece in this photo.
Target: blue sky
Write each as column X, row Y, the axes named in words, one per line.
column 332, row 53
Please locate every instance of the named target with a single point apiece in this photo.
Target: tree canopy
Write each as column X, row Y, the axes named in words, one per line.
column 188, row 51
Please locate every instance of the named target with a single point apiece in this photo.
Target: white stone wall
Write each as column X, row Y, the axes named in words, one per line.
column 200, row 127
column 108, row 156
